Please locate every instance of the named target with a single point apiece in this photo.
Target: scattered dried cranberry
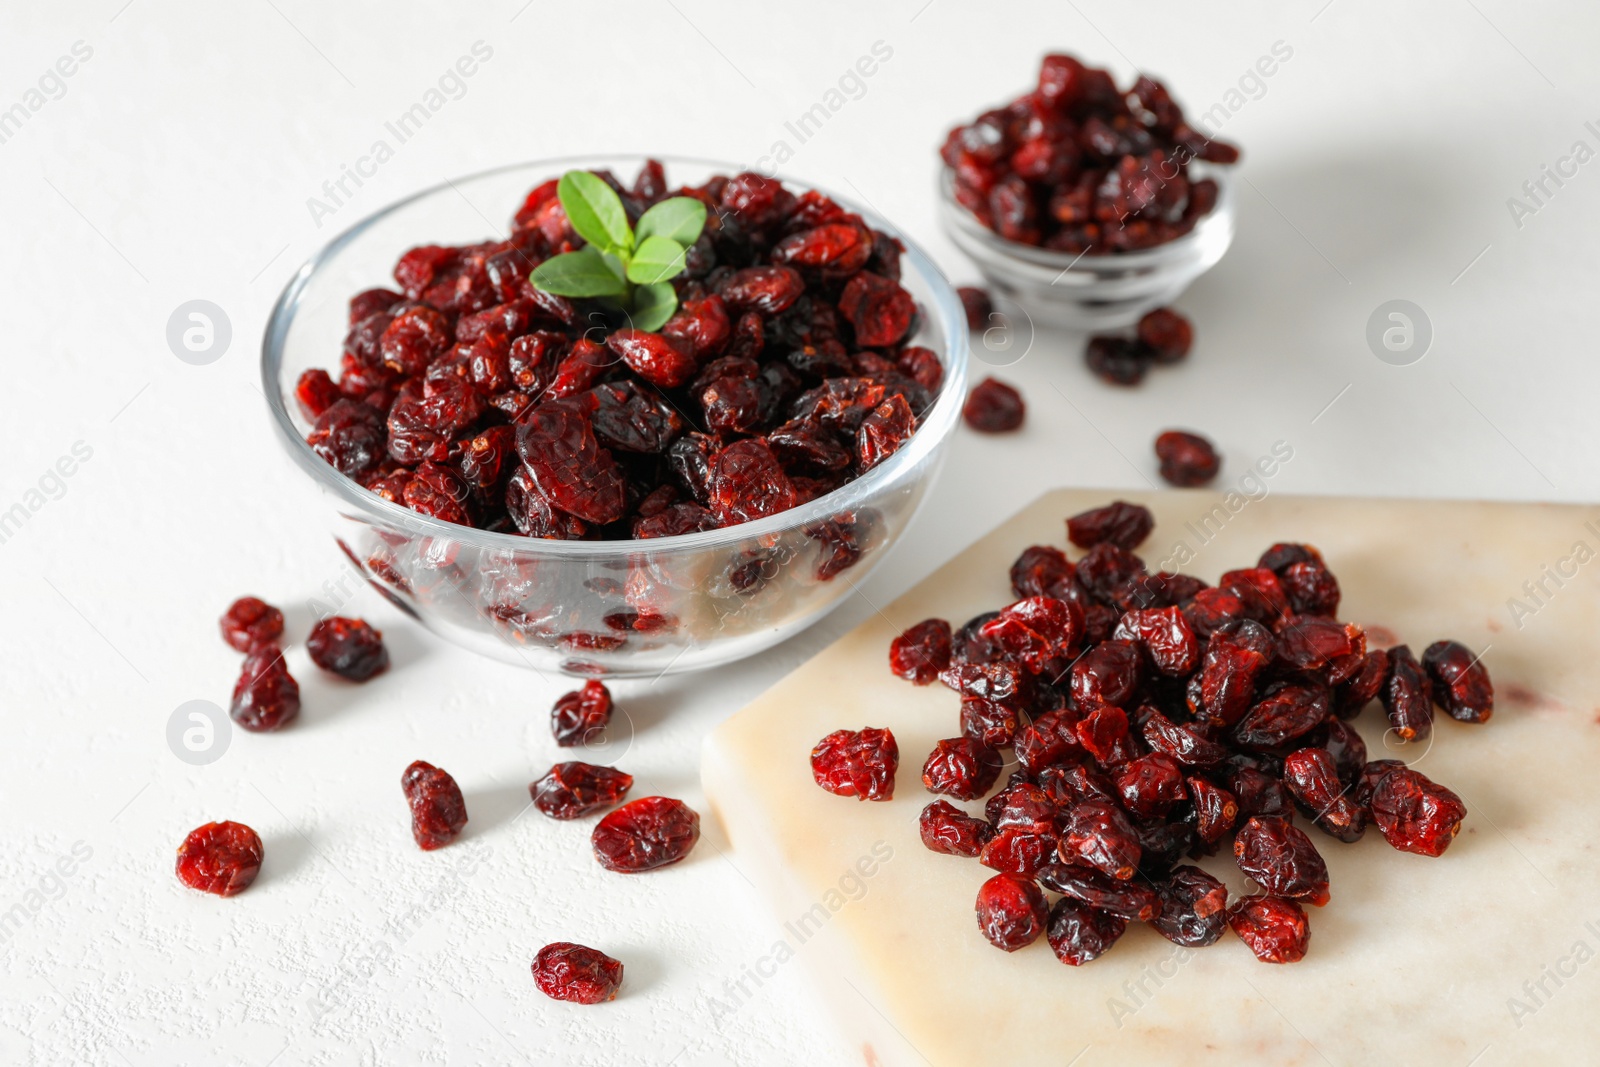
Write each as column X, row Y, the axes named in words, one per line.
column 1408, row 696
column 1460, row 681
column 645, row 834
column 575, row 973
column 1117, row 360
column 348, row 647
column 249, row 622
column 1078, row 933
column 947, row 829
column 1011, row 911
column 266, row 696
column 1166, row 334
column 857, row 763
column 1416, row 814
column 1078, row 166
column 993, row 407
column 579, row 717
column 1194, row 908
column 572, row 790
column 1119, row 523
column 976, row 303
column 438, row 811
column 220, row 857
column 1276, row 929
column 1187, row 459
column 921, row 652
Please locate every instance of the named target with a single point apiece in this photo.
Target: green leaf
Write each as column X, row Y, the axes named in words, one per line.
column 653, row 305
column 595, row 211
column 656, row 259
column 681, row 218
column 580, row 273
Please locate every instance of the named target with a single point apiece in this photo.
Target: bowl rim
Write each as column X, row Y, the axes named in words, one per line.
column 1220, row 214
column 936, row 428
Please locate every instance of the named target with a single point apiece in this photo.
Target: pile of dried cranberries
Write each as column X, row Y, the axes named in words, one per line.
column 1078, row 166
column 472, row 397
column 1156, row 719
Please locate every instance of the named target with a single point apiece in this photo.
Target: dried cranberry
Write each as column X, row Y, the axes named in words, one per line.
column 1282, row 859
column 883, row 432
column 1131, row 900
column 315, row 392
column 1215, row 809
column 768, row 290
column 1018, row 852
column 1151, row 785
column 1311, row 588
column 438, row 811
column 1460, row 682
column 645, row 834
column 220, row 857
column 1042, row 570
column 1119, row 523
column 1276, row 929
column 746, row 482
column 1407, row 696
column 1167, row 335
column 348, row 647
column 1414, row 813
column 567, row 463
column 1182, row 742
column 580, row 716
column 947, row 829
column 249, row 622
column 879, row 309
column 1166, row 636
column 857, row 763
column 1312, row 776
column 1078, row 933
column 1117, row 360
column 1011, row 911
column 1283, row 715
column 1187, row 459
column 1097, row 833
column 960, row 767
column 1194, row 908
column 653, row 357
column 993, row 407
column 572, row 790
column 574, row 973
column 1106, row 674
column 266, row 696
column 1352, row 697
column 350, row 436
column 977, row 305
column 921, row 652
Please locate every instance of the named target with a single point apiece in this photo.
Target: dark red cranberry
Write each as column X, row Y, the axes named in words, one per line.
column 1282, row 859
column 746, row 482
column 438, row 811
column 1011, row 911
column 961, row 767
column 1166, row 334
column 1276, row 929
column 976, row 303
column 1166, row 636
column 574, row 973
column 1407, row 696
column 878, row 308
column 315, row 392
column 249, row 622
column 947, row 829
column 266, row 696
column 1117, row 360
column 1120, row 523
column 1097, row 833
column 1187, row 459
column 1132, row 900
column 1416, row 814
column 350, row 436
column 348, row 647
column 1216, row 809
column 1460, row 681
column 921, row 652
column 1194, row 908
column 580, row 716
column 645, row 834
column 1018, row 852
column 1311, row 588
column 220, row 857
column 1078, row 933
column 993, row 407
column 857, row 763
column 572, row 790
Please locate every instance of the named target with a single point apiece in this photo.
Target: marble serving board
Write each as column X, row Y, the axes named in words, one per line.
column 1484, row 956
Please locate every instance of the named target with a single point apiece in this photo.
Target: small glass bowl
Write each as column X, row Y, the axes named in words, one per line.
column 1091, row 292
column 708, row 598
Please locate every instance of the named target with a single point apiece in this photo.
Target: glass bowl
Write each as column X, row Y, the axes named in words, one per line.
column 1091, row 292
column 709, row 598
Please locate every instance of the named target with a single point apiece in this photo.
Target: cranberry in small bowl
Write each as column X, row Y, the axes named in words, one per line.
column 635, row 482
column 1086, row 204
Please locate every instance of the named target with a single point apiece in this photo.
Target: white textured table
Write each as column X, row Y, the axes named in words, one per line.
column 178, row 161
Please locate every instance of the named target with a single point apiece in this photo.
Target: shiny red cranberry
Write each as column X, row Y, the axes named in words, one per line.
column 575, row 973
column 347, row 647
column 1011, row 911
column 1280, row 856
column 1079, row 934
column 1276, row 929
column 947, row 829
column 1187, row 459
column 1166, row 334
column 1097, row 833
column 857, row 763
column 438, row 811
column 220, row 857
column 249, row 622
column 580, row 716
column 266, row 696
column 993, row 407
column 921, row 652
column 1119, row 523
column 961, row 767
column 572, row 790
column 1194, row 908
column 1117, row 360
column 645, row 834
column 1460, row 681
column 1416, row 814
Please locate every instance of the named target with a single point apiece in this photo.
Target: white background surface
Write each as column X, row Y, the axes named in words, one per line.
column 177, row 165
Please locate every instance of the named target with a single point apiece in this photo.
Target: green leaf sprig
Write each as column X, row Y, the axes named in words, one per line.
column 632, row 267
